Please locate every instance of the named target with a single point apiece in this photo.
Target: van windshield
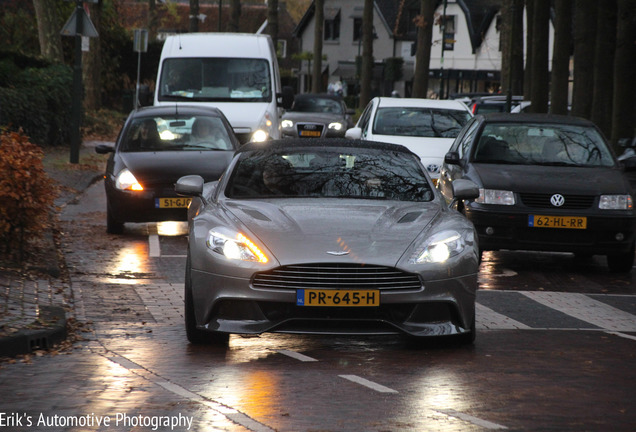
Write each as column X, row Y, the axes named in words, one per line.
column 215, row 79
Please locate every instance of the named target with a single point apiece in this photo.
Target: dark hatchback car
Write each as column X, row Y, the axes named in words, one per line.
column 155, row 147
column 547, row 183
column 317, row 116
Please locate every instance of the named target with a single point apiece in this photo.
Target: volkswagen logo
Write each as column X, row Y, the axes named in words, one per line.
column 557, row 200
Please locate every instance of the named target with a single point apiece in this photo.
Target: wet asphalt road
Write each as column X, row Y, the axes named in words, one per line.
column 555, row 351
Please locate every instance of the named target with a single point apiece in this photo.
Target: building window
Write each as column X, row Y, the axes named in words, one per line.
column 357, row 29
column 332, row 24
column 449, row 32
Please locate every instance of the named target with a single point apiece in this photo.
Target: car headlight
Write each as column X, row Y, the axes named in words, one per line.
column 259, row 136
column 615, row 202
column 125, row 180
column 234, row 245
column 336, row 126
column 287, row 124
column 494, row 196
column 439, row 247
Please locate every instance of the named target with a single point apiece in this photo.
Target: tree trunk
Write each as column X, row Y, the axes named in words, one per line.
column 235, row 14
column 153, row 20
column 584, row 35
column 49, row 30
column 527, row 78
column 319, row 19
column 194, row 16
column 624, row 109
column 561, row 57
column 367, row 54
column 512, row 47
column 540, row 74
column 604, row 67
column 272, row 21
column 92, row 63
column 425, row 22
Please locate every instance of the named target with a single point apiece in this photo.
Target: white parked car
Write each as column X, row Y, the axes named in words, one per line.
column 427, row 127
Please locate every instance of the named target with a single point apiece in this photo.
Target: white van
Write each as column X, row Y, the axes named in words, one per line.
column 237, row 73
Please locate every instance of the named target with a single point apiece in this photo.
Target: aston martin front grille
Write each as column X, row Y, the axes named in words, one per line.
column 336, row 276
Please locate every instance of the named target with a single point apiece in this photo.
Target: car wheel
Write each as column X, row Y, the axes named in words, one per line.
column 195, row 335
column 112, row 226
column 469, row 338
column 621, row 263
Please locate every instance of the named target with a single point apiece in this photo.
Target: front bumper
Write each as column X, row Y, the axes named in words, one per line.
column 233, row 305
column 128, row 206
column 499, row 228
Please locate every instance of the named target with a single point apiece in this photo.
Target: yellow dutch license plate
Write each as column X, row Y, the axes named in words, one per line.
column 567, row 222
column 351, row 298
column 310, row 133
column 172, row 202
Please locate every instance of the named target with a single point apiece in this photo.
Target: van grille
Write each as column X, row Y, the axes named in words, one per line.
column 538, row 200
column 336, row 276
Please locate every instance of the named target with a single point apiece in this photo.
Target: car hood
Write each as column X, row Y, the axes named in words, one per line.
column 312, row 117
column 551, row 179
column 425, row 147
column 169, row 166
column 378, row 232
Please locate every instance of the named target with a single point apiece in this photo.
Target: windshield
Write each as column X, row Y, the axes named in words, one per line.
column 542, row 144
column 420, row 122
column 176, row 133
column 329, row 172
column 317, row 105
column 215, row 79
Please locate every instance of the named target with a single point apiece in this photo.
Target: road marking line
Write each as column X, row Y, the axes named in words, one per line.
column 587, row 309
column 471, row 419
column 370, row 384
column 489, row 319
column 154, row 249
column 623, row 335
column 297, row 356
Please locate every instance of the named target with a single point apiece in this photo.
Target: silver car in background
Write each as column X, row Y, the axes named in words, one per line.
column 327, row 236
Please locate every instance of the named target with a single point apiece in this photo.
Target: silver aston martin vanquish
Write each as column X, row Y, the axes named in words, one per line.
column 334, row 236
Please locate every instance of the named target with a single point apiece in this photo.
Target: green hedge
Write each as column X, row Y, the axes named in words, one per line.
column 36, row 98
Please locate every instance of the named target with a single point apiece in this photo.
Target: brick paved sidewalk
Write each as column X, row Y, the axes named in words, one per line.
column 34, row 306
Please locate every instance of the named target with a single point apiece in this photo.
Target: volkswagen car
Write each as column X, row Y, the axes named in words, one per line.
column 426, row 126
column 156, row 146
column 330, row 236
column 547, row 183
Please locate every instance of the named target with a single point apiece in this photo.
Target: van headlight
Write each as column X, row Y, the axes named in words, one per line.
column 615, row 202
column 495, row 196
column 260, row 136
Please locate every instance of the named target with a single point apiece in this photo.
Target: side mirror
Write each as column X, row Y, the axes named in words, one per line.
column 191, row 185
column 286, row 98
column 452, row 158
column 353, row 133
column 145, row 95
column 104, row 148
column 465, row 189
column 627, row 142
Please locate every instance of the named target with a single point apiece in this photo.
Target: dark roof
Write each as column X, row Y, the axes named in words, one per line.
column 478, row 13
column 533, row 118
column 160, row 110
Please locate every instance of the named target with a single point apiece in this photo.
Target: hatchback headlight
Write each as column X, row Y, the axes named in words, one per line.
column 615, row 202
column 336, row 126
column 495, row 196
column 439, row 248
column 125, row 180
column 234, row 245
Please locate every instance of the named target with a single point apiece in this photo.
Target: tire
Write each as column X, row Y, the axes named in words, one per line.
column 469, row 338
column 112, row 226
column 195, row 335
column 621, row 263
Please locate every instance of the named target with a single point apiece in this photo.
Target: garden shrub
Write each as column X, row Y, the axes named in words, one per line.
column 26, row 195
